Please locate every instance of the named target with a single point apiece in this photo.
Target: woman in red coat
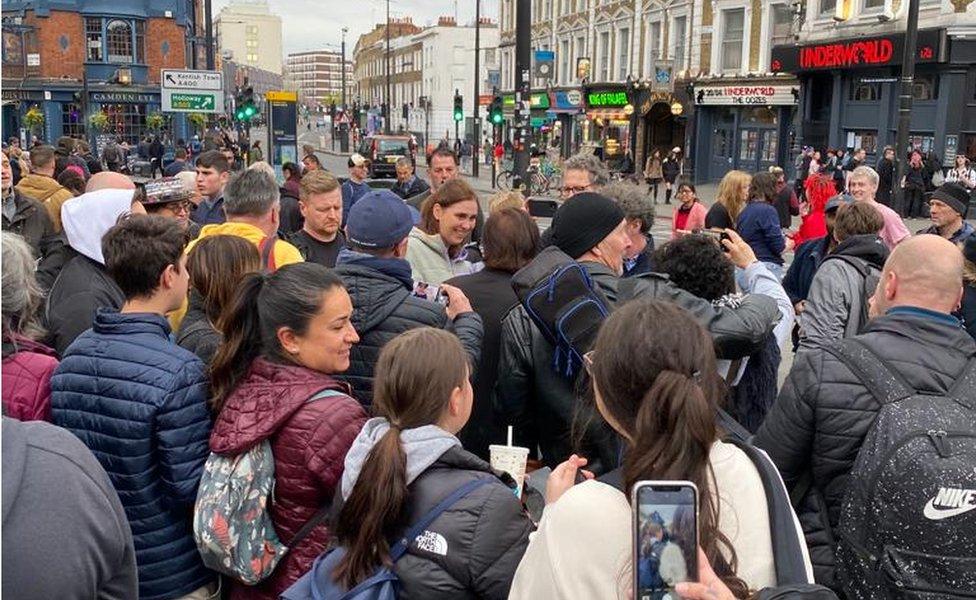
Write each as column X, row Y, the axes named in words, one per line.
column 819, row 189
column 27, row 364
column 285, row 335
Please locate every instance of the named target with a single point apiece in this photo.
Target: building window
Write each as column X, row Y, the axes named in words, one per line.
column 253, row 58
column 127, row 121
column 604, row 56
column 733, row 30
column 251, row 29
column 865, row 92
column 828, row 6
column 678, row 34
column 72, row 122
column 118, row 38
column 140, row 42
column 868, row 140
column 925, row 87
column 93, row 39
column 563, row 74
column 653, row 44
column 874, row 3
column 781, row 24
column 623, row 54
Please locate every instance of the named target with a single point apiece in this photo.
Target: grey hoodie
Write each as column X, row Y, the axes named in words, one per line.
column 65, row 534
column 422, row 445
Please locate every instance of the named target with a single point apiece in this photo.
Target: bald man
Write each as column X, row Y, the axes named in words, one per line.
column 109, row 180
column 820, row 420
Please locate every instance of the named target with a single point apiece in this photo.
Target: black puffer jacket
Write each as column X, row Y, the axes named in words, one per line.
column 383, row 308
column 543, row 405
column 197, row 334
column 823, row 413
column 79, row 291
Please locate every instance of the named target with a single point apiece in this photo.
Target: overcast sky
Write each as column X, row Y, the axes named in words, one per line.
column 317, row 24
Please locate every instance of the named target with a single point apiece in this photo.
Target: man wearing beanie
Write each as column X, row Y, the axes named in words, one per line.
column 947, row 207
column 377, row 277
column 591, row 229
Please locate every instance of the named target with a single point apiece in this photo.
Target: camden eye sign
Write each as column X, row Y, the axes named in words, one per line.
column 857, row 53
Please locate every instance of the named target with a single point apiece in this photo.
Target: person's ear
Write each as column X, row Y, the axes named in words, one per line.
column 400, row 250
column 167, row 279
column 303, row 208
column 455, row 406
column 287, row 340
column 224, row 177
column 891, row 285
column 438, row 210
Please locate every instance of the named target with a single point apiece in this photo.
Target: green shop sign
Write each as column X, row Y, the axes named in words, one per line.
column 538, row 100
column 607, row 99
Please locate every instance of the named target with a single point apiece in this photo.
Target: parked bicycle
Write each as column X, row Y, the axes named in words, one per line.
column 541, row 176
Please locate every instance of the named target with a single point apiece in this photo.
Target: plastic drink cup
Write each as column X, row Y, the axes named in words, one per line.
column 512, row 460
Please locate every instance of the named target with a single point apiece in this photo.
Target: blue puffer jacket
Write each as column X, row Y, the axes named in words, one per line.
column 139, row 402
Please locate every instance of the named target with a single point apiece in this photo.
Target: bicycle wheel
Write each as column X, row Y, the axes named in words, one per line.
column 503, row 180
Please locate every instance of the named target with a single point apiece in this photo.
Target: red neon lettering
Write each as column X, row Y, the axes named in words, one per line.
column 870, row 52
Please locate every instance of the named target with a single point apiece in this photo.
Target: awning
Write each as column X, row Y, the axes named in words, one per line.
column 608, row 114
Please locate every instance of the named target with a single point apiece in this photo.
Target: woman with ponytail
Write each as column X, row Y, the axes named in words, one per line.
column 655, row 382
column 405, row 461
column 284, row 338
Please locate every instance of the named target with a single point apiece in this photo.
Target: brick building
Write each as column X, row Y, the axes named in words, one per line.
column 70, row 59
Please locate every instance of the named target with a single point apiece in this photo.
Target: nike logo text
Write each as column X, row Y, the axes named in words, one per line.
column 950, row 502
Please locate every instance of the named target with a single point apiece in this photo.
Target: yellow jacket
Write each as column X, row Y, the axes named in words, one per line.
column 284, row 253
column 48, row 192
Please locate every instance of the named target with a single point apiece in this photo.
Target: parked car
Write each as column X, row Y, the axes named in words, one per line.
column 383, row 151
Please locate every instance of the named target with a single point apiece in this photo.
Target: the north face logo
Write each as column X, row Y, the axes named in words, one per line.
column 950, row 502
column 432, row 542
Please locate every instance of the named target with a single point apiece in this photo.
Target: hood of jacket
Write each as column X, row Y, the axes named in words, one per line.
column 378, row 287
column 268, row 395
column 867, row 247
column 18, row 343
column 423, row 446
column 87, row 218
column 39, row 187
column 432, row 241
column 244, row 230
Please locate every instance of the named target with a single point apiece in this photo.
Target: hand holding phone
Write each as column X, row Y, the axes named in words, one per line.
column 665, row 521
column 565, row 476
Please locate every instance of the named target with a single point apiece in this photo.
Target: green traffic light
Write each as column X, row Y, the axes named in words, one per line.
column 458, row 115
column 249, row 111
column 240, row 115
column 496, row 118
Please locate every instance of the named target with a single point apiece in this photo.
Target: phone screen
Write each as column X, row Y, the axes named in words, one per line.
column 429, row 291
column 666, row 538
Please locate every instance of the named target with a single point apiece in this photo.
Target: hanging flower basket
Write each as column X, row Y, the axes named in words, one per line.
column 98, row 121
column 34, row 119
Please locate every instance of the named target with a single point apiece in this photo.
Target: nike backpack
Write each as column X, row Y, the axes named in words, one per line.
column 907, row 527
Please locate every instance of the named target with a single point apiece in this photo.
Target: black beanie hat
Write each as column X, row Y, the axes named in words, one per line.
column 584, row 221
column 954, row 195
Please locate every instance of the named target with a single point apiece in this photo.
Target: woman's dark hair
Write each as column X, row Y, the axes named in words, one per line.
column 216, row 265
column 510, row 241
column 70, row 179
column 292, row 169
column 696, row 264
column 263, row 304
column 415, row 375
column 689, row 185
column 654, row 377
column 763, row 187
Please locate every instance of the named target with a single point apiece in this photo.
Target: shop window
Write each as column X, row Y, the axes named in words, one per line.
column 925, row 87
column 72, row 122
column 770, row 146
column 118, row 39
column 733, row 30
column 923, row 142
column 678, row 32
column 762, row 115
column 869, row 4
column 93, row 39
column 865, row 92
column 749, row 148
column 781, row 16
column 127, row 121
column 868, row 140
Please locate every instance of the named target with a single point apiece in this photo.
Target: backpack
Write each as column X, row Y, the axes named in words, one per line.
column 383, row 584
column 870, row 275
column 561, row 299
column 907, row 526
column 231, row 525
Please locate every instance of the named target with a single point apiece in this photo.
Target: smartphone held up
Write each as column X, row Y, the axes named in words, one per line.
column 665, row 528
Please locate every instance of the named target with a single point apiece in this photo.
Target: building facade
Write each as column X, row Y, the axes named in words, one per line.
column 249, row 34
column 849, row 74
column 68, row 60
column 317, row 76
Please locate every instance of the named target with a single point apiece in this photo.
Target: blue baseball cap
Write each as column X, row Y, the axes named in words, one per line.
column 379, row 219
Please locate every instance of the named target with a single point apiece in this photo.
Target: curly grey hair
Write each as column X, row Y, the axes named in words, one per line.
column 20, row 295
column 599, row 176
column 631, row 198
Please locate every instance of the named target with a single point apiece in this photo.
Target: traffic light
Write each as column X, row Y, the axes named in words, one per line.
column 245, row 107
column 458, row 107
column 495, row 111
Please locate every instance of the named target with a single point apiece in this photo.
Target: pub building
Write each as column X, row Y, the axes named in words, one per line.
column 743, row 124
column 849, row 92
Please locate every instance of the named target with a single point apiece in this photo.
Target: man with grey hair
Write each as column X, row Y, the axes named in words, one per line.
column 639, row 214
column 582, row 173
column 863, row 185
column 408, row 183
column 251, row 202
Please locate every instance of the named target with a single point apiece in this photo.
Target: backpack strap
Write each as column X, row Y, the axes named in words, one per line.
column 961, row 390
column 885, row 385
column 787, row 552
column 859, row 264
column 323, row 512
column 267, row 253
column 400, row 548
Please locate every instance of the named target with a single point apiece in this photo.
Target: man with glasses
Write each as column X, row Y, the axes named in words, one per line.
column 582, row 173
column 167, row 197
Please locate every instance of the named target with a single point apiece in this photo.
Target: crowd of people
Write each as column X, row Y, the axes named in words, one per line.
column 351, row 356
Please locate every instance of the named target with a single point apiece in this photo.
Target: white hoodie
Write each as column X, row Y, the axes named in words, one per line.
column 87, row 218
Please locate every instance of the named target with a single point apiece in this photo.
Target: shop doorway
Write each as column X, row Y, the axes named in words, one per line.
column 816, row 127
column 662, row 131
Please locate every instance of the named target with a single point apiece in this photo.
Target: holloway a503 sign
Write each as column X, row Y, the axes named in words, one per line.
column 881, row 51
column 753, row 95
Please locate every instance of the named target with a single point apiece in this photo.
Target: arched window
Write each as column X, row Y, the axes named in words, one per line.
column 118, row 35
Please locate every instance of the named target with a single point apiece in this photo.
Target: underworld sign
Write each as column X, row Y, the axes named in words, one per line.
column 880, row 51
column 755, row 95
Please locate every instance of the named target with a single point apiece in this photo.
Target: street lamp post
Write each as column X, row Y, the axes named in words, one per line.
column 345, row 30
column 905, row 101
column 386, row 105
column 476, row 142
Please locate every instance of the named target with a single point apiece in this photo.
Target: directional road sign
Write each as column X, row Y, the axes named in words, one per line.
column 192, row 91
